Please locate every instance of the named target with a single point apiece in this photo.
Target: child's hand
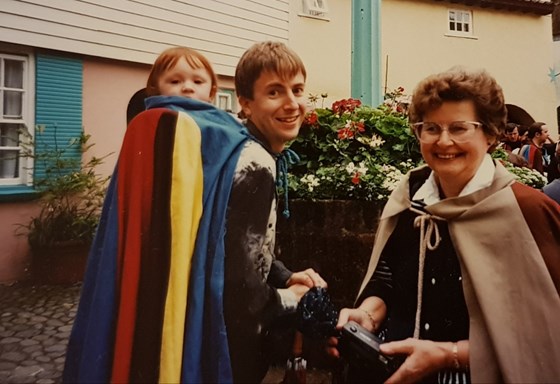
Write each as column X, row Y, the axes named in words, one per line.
column 309, row 278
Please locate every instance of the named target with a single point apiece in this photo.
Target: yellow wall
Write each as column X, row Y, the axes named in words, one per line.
column 325, row 48
column 515, row 48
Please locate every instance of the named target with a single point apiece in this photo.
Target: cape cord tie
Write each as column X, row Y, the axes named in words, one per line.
column 429, row 239
column 286, row 158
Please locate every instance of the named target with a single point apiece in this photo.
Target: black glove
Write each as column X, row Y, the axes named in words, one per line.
column 316, row 315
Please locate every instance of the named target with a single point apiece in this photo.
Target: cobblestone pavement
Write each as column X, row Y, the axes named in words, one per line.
column 35, row 323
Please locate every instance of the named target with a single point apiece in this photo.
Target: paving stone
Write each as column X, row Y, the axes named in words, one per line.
column 10, row 340
column 7, row 365
column 55, row 323
column 28, row 342
column 14, row 356
column 28, row 333
column 45, row 381
column 32, row 348
column 4, row 376
column 65, row 328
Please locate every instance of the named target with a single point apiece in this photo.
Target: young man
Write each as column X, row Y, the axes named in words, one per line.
column 533, row 152
column 270, row 83
column 185, row 242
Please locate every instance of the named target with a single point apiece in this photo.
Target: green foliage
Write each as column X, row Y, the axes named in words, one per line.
column 71, row 193
column 524, row 175
column 353, row 151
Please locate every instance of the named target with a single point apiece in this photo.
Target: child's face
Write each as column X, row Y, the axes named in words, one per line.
column 277, row 109
column 184, row 80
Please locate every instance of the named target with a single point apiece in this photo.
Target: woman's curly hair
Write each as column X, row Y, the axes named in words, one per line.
column 460, row 84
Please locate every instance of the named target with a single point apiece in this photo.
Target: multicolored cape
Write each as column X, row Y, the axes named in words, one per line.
column 151, row 307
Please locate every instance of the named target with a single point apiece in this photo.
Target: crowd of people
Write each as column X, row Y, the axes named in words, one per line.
column 183, row 284
column 534, row 147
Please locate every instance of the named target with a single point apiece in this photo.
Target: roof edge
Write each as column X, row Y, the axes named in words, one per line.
column 536, row 7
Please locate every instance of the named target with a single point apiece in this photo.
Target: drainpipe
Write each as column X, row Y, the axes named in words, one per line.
column 366, row 51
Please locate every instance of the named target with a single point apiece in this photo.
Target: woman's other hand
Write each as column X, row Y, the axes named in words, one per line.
column 423, row 357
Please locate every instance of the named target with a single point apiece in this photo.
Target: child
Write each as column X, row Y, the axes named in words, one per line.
column 152, row 302
column 181, row 71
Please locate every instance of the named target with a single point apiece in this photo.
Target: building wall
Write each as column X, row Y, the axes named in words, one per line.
column 325, row 48
column 14, row 249
column 108, row 87
column 515, row 48
column 139, row 30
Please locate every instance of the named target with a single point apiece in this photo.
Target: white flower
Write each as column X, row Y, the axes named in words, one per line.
column 376, row 141
column 362, row 169
column 311, row 181
column 351, row 168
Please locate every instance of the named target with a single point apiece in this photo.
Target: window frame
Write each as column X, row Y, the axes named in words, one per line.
column 470, row 23
column 27, row 117
column 229, row 95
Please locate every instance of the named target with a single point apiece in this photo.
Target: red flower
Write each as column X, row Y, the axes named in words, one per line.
column 356, row 178
column 345, row 133
column 311, row 118
column 360, row 126
column 345, row 105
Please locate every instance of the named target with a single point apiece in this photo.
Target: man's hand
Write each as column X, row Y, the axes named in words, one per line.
column 309, row 278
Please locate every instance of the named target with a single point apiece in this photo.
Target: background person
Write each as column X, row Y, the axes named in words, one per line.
column 460, row 248
column 511, row 138
column 534, row 151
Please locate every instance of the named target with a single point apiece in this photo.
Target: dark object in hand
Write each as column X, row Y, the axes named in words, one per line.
column 316, row 315
column 360, row 347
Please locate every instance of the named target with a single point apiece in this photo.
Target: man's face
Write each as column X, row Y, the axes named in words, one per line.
column 277, row 109
column 543, row 136
column 513, row 135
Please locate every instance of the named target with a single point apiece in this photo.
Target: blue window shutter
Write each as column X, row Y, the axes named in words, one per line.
column 58, row 109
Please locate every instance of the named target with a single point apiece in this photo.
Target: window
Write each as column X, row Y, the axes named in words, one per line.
column 460, row 22
column 15, row 118
column 224, row 100
column 318, row 9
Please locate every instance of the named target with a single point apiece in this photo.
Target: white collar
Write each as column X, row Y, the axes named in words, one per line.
column 429, row 191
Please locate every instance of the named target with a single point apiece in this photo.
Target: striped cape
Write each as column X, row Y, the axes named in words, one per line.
column 151, row 307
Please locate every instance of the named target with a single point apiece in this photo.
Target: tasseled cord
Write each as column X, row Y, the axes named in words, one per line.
column 283, row 160
column 428, row 228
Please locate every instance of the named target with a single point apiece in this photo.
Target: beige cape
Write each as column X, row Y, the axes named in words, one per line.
column 513, row 304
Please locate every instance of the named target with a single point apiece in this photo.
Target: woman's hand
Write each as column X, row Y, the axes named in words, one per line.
column 370, row 314
column 424, row 357
column 309, row 278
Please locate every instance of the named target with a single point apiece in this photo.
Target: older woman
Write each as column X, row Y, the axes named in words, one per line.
column 464, row 277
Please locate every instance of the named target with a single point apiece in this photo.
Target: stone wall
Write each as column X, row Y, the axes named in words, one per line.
column 335, row 237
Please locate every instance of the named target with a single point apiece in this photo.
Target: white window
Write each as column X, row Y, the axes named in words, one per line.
column 318, row 9
column 15, row 118
column 460, row 22
column 224, row 100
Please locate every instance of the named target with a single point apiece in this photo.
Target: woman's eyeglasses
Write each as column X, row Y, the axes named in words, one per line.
column 458, row 131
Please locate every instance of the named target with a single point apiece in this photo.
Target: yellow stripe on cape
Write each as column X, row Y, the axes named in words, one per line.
column 186, row 211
